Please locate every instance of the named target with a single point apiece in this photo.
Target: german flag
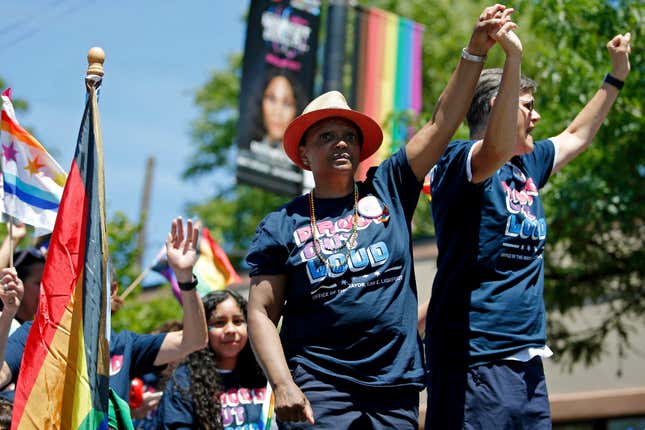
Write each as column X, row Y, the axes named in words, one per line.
column 64, row 373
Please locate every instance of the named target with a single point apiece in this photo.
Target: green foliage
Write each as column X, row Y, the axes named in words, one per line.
column 27, row 241
column 138, row 314
column 422, row 224
column 595, row 205
column 122, row 245
column 144, row 316
column 233, row 216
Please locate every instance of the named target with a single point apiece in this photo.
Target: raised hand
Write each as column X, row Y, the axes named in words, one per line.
column 507, row 39
column 18, row 232
column 182, row 249
column 619, row 49
column 116, row 303
column 11, row 291
column 292, row 405
column 489, row 22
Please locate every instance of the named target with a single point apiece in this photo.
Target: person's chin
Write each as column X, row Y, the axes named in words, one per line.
column 231, row 349
column 275, row 136
column 234, row 352
column 526, row 146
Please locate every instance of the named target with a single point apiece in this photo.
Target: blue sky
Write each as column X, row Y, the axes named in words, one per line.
column 157, row 54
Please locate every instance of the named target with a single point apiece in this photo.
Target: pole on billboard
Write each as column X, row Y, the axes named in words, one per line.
column 334, row 58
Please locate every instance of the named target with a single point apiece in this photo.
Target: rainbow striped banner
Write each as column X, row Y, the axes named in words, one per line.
column 387, row 75
column 64, row 372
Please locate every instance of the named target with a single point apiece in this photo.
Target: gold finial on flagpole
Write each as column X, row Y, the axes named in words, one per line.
column 95, row 59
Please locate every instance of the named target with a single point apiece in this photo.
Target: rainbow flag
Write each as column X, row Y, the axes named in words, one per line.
column 162, row 267
column 64, row 373
column 33, row 180
column 387, row 75
column 213, row 269
column 268, row 409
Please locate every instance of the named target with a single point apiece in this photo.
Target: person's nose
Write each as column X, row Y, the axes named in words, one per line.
column 229, row 328
column 535, row 116
column 341, row 143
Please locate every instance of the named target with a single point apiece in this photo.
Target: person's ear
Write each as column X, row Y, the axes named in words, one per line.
column 303, row 156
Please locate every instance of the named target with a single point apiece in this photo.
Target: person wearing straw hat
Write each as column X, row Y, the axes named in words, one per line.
column 337, row 263
column 486, row 325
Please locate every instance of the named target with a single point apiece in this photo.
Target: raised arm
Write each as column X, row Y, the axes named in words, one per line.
column 18, row 232
column 501, row 135
column 579, row 134
column 427, row 145
column 11, row 292
column 182, row 256
column 264, row 310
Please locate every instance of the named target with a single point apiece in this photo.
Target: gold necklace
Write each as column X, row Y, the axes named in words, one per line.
column 314, row 231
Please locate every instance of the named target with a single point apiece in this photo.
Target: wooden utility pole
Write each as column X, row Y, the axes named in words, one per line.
column 145, row 206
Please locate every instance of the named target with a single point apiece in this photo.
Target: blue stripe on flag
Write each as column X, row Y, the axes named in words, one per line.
column 29, row 194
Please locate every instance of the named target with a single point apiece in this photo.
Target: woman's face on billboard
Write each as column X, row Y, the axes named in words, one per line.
column 278, row 107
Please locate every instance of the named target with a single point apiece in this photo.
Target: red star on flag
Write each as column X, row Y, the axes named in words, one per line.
column 34, row 166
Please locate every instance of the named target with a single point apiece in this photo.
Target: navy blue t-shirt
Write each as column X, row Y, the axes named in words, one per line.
column 487, row 298
column 131, row 355
column 241, row 406
column 355, row 320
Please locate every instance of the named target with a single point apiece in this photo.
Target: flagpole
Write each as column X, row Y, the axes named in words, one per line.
column 135, row 283
column 10, row 241
column 93, row 79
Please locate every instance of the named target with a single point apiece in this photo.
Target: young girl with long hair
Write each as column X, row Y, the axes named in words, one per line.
column 222, row 385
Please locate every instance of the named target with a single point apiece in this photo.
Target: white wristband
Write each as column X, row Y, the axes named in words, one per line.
column 472, row 57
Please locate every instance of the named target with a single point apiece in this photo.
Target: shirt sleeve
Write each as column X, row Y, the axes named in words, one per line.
column 15, row 349
column 453, row 172
column 267, row 253
column 145, row 348
column 176, row 407
column 539, row 163
column 396, row 177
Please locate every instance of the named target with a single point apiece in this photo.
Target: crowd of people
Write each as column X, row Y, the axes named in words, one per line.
column 330, row 330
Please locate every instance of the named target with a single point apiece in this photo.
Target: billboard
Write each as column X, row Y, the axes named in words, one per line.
column 277, row 82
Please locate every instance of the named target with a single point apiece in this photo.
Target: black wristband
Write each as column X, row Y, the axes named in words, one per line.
column 188, row 286
column 615, row 82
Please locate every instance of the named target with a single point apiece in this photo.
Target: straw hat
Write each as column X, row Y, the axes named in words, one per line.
column 330, row 105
